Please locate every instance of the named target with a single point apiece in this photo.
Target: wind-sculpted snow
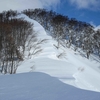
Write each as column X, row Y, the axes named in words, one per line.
column 50, row 72
column 40, row 86
column 72, row 68
column 53, row 69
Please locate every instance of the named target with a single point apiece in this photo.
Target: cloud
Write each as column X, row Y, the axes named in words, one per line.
column 92, row 23
column 87, row 4
column 25, row 4
column 97, row 27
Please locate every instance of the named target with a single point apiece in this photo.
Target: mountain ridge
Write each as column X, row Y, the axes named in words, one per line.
column 68, row 68
column 42, row 54
column 49, row 72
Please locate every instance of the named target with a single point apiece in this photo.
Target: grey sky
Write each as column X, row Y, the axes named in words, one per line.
column 25, row 4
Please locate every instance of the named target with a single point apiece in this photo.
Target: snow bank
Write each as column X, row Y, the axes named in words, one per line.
column 40, row 86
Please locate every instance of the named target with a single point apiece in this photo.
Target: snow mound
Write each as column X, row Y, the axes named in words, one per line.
column 40, row 86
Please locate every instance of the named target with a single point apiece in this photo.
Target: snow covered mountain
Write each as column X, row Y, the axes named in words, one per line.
column 56, row 73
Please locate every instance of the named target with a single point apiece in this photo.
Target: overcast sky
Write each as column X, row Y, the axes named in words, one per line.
column 83, row 10
column 25, row 4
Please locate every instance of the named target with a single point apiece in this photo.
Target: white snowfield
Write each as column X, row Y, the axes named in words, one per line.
column 53, row 78
column 40, row 86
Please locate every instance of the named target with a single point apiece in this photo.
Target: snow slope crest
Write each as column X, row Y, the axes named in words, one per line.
column 72, row 68
column 52, row 76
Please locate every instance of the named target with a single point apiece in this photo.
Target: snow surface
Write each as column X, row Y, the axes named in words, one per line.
column 51, row 75
column 74, row 68
column 40, row 86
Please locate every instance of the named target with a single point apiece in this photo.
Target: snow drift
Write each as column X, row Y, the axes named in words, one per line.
column 40, row 86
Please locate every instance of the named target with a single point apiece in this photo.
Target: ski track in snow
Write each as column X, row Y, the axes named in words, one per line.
column 73, row 69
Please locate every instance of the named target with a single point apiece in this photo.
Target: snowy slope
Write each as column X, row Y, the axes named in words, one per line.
column 51, row 75
column 73, row 69
column 40, row 86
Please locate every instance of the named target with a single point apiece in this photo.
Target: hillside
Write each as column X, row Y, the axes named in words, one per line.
column 71, row 68
column 52, row 70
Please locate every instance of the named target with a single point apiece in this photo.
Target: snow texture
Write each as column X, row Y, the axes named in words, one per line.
column 71, row 77
column 40, row 86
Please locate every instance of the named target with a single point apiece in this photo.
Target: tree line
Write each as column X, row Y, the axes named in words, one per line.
column 17, row 35
column 69, row 30
column 14, row 33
